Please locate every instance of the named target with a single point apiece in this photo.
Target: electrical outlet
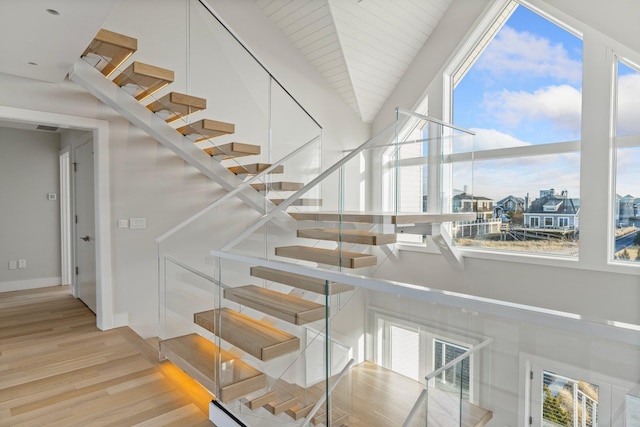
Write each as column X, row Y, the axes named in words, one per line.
column 22, row 263
column 13, row 265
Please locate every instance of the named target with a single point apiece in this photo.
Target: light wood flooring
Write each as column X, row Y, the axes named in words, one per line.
column 58, row 369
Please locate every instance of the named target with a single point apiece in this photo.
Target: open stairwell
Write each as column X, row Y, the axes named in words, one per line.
column 244, row 325
column 107, row 55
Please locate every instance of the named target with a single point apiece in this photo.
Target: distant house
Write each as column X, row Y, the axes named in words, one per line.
column 553, row 210
column 627, row 211
column 483, row 206
column 511, row 203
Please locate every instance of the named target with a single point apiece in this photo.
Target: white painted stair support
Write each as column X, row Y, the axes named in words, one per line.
column 95, row 83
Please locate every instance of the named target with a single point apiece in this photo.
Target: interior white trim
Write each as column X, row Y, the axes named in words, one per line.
column 100, row 128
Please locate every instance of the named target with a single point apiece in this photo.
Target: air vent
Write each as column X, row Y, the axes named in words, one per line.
column 47, row 128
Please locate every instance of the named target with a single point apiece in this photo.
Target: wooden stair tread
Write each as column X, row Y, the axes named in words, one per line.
column 337, row 416
column 363, row 237
column 206, row 129
column 145, row 79
column 300, row 411
column 286, row 307
column 254, row 168
column 278, row 407
column 261, row 400
column 199, row 358
column 279, row 186
column 300, row 202
column 114, row 48
column 383, row 217
column 257, row 338
column 232, row 150
column 175, row 105
column 328, row 256
column 299, row 281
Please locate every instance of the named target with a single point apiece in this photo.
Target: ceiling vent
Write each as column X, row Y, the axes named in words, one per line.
column 47, row 128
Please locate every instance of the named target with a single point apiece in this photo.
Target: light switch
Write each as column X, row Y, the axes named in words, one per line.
column 13, row 265
column 22, row 263
column 123, row 223
column 137, row 223
column 52, row 196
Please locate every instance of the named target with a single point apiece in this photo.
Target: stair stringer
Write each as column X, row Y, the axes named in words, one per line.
column 128, row 107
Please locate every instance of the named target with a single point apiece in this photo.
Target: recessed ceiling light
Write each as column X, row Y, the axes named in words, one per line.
column 53, row 12
column 32, row 63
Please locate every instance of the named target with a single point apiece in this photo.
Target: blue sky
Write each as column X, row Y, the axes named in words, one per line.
column 530, row 76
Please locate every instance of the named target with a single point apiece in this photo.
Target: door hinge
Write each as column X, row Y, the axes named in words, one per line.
column 75, row 166
column 76, row 219
column 531, row 375
column 76, row 271
column 530, row 420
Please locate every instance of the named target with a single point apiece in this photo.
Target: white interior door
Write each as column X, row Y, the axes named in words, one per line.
column 85, row 242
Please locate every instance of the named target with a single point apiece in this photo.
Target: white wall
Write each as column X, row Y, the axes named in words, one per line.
column 29, row 222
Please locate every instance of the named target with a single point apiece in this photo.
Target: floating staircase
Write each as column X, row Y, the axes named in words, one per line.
column 283, row 306
column 174, row 106
column 362, row 237
column 200, row 358
column 279, row 186
column 254, row 168
column 206, row 129
column 257, row 338
column 338, row 417
column 108, row 52
column 222, row 372
column 333, row 257
column 233, row 150
column 143, row 80
column 300, row 202
column 311, row 284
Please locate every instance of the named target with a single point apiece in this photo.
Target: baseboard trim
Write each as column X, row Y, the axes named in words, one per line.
column 20, row 285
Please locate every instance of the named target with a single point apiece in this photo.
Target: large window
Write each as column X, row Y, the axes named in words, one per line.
column 520, row 90
column 626, row 246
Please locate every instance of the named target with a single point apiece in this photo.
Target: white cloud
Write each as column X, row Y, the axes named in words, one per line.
column 527, row 54
column 561, row 105
column 489, row 139
column 629, row 104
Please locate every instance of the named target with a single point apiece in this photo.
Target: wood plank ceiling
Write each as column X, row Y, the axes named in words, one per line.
column 362, row 47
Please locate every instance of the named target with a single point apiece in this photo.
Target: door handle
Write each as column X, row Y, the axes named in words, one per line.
column 87, row 238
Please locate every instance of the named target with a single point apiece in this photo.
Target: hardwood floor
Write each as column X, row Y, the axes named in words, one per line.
column 58, row 369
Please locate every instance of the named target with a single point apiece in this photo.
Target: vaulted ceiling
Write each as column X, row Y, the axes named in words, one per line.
column 362, row 47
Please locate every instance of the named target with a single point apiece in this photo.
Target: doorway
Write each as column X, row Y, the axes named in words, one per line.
column 99, row 129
